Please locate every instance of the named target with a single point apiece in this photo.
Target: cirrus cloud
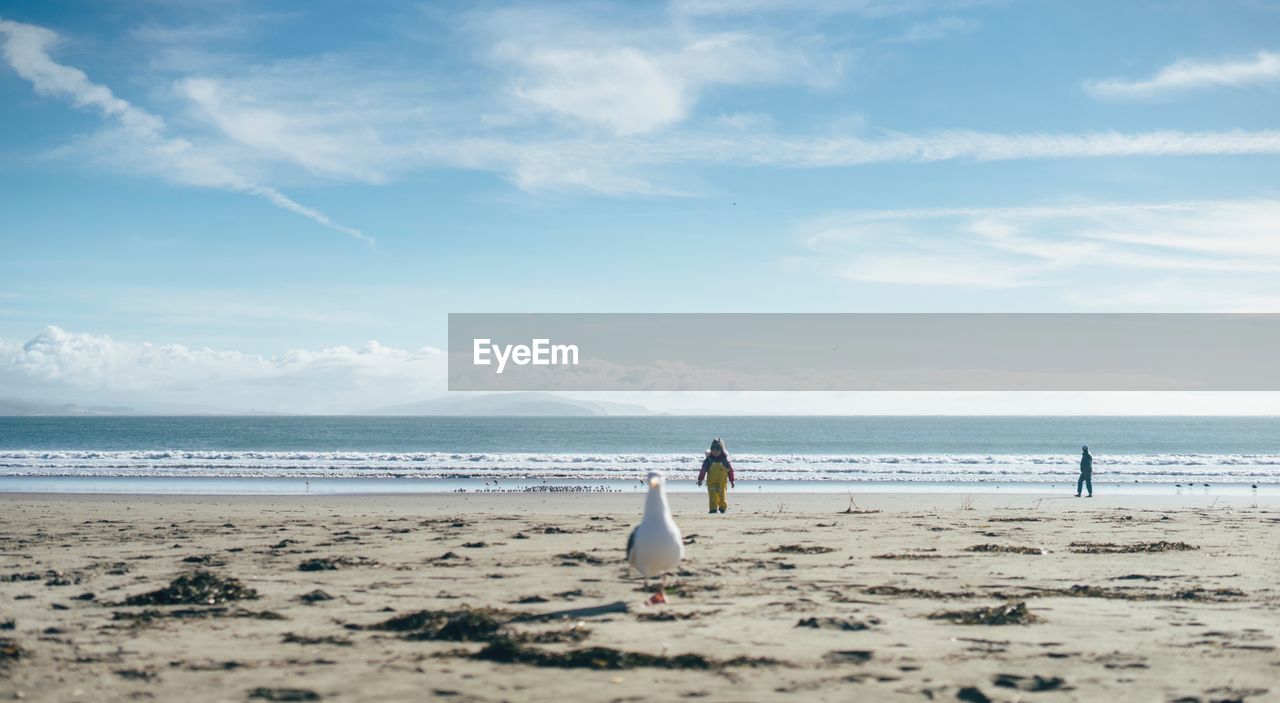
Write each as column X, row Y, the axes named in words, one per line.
column 1189, row 74
column 139, row 133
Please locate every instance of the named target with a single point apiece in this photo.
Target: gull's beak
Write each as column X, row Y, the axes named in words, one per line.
column 654, row 482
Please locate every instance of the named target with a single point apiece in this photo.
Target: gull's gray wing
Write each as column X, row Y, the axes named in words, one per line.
column 631, row 541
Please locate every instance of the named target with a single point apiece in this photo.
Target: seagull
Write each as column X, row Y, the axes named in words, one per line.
column 655, row 547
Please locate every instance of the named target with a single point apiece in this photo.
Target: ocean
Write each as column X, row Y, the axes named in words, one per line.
column 275, row 454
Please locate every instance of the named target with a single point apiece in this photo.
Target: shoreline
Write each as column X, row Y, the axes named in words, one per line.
column 303, row 486
column 686, row 504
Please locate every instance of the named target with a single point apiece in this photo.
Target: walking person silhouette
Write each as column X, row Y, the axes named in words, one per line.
column 1086, row 471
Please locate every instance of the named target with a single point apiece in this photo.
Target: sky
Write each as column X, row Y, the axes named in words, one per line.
column 274, row 206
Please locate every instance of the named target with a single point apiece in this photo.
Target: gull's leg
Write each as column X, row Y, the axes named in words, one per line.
column 660, row 596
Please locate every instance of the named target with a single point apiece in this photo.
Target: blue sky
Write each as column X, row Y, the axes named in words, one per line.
column 197, row 197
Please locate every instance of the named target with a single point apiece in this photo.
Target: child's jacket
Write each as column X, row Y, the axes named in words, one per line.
column 718, row 468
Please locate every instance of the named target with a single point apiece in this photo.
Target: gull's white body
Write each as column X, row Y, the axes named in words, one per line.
column 655, row 546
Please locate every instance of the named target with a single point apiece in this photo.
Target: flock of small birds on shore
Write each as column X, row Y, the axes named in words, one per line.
column 495, row 488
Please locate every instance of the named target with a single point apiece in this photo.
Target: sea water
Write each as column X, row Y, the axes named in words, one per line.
column 279, row 454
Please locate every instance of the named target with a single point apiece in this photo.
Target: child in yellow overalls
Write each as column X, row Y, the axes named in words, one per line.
column 717, row 471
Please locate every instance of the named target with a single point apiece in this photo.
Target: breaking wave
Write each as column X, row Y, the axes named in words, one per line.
column 1233, row 468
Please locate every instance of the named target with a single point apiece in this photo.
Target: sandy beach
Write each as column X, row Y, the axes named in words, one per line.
column 892, row 597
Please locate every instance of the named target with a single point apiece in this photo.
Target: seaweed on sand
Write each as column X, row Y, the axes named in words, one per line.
column 1007, row 614
column 1030, row 683
column 9, row 651
column 1006, row 549
column 284, row 694
column 576, row 558
column 332, row 563
column 1139, row 547
column 1214, row 595
column 505, row 650
column 668, row 616
column 463, row 625
column 151, row 615
column 206, row 559
column 801, row 549
column 195, row 588
column 470, row 625
column 846, row 625
column 849, row 656
column 294, row 638
column 313, row 597
column 916, row 592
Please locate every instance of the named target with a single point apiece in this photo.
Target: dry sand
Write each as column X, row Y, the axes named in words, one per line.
column 787, row 597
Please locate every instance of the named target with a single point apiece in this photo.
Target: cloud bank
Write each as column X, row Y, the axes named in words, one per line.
column 61, row 364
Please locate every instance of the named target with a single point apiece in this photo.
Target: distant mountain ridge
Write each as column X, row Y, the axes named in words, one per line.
column 17, row 406
column 514, row 404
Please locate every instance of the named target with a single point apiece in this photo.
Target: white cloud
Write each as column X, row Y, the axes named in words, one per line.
column 622, row 162
column 80, row 365
column 934, row 29
column 1051, row 246
column 630, row 81
column 866, row 8
column 625, row 102
column 949, row 402
column 138, row 132
column 1189, row 74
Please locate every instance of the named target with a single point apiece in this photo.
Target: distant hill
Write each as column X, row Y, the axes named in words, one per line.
column 17, row 406
column 517, row 404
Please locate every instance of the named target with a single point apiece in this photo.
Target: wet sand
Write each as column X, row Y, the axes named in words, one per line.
column 907, row 597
